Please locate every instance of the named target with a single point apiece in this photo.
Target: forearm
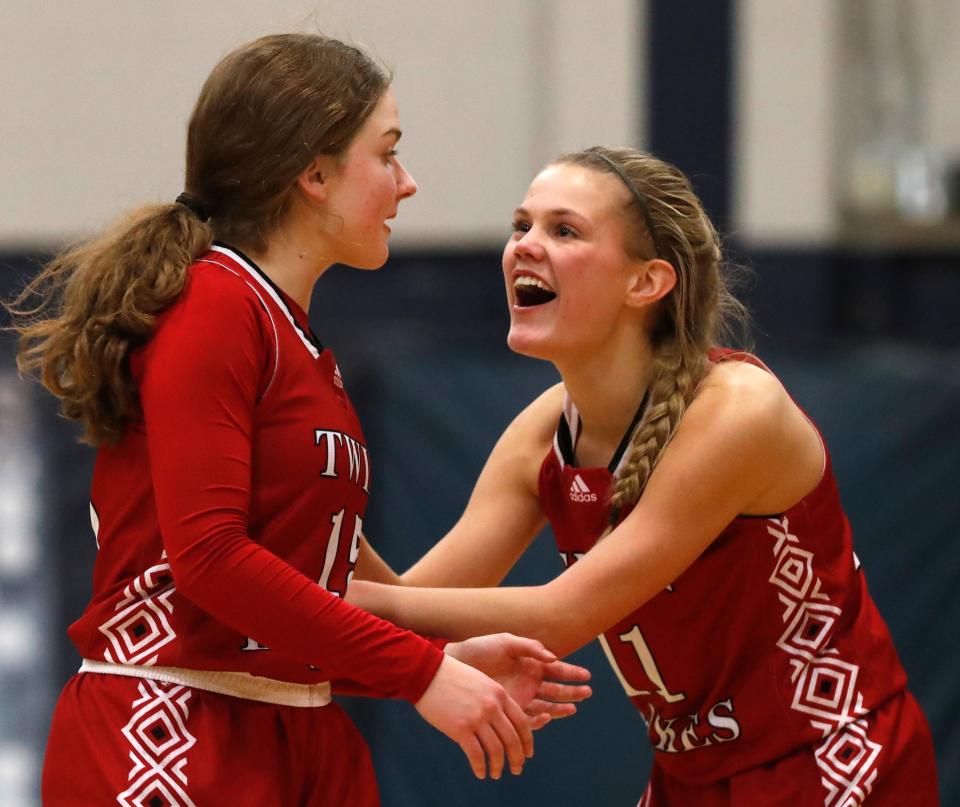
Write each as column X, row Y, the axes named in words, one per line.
column 617, row 576
column 435, row 571
column 463, row 613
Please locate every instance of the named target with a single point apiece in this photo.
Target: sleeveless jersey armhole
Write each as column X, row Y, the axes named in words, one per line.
column 718, row 355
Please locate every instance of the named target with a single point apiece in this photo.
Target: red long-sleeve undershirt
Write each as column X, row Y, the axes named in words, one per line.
column 204, row 378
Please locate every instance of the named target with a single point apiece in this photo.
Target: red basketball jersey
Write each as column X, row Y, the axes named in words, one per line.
column 228, row 517
column 767, row 643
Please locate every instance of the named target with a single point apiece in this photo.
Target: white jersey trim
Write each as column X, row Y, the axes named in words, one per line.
column 258, row 278
column 556, row 449
column 572, row 417
column 623, row 458
column 235, row 684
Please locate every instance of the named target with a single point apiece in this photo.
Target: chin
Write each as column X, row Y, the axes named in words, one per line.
column 371, row 267
column 527, row 344
column 370, row 262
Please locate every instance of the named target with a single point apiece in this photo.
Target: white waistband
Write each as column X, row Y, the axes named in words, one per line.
column 235, row 684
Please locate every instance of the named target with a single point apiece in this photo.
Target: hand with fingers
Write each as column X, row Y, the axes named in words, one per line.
column 531, row 674
column 476, row 712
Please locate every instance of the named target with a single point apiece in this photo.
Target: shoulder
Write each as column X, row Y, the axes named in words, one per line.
column 211, row 278
column 217, row 313
column 215, row 297
column 537, row 423
column 748, row 415
column 739, row 391
column 747, row 409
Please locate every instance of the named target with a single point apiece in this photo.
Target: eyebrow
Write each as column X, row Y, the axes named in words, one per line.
column 393, row 131
column 555, row 212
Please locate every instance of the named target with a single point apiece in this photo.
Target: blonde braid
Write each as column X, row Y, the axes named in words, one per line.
column 675, row 381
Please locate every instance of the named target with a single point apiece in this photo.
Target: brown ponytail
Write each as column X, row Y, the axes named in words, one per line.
column 265, row 113
column 97, row 302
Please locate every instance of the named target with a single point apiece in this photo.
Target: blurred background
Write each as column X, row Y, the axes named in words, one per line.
column 824, row 139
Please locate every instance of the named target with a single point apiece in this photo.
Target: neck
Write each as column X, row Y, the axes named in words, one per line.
column 288, row 261
column 607, row 388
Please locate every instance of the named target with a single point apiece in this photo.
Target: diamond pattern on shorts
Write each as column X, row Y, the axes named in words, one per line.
column 159, row 741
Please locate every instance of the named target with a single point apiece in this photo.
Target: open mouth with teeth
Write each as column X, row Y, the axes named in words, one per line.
column 529, row 291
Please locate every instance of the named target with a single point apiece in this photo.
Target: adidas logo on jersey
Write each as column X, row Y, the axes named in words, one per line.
column 579, row 492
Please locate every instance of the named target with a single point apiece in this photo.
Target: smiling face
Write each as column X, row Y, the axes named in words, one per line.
column 567, row 273
column 364, row 187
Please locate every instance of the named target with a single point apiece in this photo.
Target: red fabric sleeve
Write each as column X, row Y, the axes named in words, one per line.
column 202, row 374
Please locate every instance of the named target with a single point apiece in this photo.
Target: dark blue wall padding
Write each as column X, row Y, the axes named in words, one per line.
column 890, row 419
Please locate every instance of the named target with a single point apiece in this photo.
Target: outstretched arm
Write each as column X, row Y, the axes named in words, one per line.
column 736, row 450
column 501, row 518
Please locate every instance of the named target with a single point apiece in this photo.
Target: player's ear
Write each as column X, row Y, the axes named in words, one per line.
column 314, row 180
column 649, row 281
